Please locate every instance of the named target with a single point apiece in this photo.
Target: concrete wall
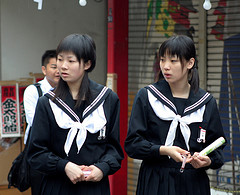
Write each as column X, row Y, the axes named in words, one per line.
column 27, row 32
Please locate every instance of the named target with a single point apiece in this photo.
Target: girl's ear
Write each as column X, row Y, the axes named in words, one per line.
column 87, row 65
column 190, row 63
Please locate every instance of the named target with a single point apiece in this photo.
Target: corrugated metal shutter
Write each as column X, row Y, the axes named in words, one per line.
column 150, row 23
column 223, row 81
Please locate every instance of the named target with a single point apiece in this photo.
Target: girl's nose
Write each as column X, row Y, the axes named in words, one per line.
column 64, row 65
column 166, row 65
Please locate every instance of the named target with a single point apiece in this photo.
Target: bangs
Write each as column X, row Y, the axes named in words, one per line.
column 82, row 46
column 72, row 44
column 181, row 46
column 171, row 48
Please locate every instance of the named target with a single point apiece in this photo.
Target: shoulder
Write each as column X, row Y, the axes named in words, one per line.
column 200, row 99
column 43, row 100
column 141, row 96
column 31, row 90
column 45, row 86
column 142, row 92
column 112, row 94
column 160, row 86
column 99, row 89
column 202, row 94
column 43, row 103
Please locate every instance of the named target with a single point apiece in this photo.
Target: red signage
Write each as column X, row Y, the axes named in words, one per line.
column 10, row 123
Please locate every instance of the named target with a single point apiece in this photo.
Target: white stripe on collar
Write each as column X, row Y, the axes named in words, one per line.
column 60, row 101
column 77, row 128
column 206, row 95
column 165, row 113
column 163, row 97
column 189, row 108
column 95, row 101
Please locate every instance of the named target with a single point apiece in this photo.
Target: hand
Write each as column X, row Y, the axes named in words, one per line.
column 174, row 152
column 74, row 172
column 198, row 161
column 95, row 175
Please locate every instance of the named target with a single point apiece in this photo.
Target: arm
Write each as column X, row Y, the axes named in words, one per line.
column 40, row 155
column 110, row 162
column 136, row 144
column 147, row 133
column 214, row 130
column 30, row 99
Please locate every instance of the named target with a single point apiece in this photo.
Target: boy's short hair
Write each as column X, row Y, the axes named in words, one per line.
column 47, row 55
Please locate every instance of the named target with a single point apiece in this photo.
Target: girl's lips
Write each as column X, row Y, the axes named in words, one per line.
column 167, row 75
column 64, row 74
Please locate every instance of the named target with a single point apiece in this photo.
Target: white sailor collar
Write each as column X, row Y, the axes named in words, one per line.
column 162, row 92
column 94, row 118
column 79, row 128
column 165, row 109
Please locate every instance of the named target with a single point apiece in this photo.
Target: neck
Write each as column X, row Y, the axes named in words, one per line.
column 180, row 91
column 53, row 85
column 74, row 89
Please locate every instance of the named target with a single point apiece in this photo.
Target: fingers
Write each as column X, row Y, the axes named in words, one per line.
column 95, row 175
column 74, row 172
column 200, row 161
column 174, row 152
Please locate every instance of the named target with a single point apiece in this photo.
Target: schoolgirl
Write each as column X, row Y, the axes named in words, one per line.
column 173, row 119
column 75, row 132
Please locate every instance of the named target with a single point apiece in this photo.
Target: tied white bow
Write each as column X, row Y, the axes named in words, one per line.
column 92, row 123
column 165, row 113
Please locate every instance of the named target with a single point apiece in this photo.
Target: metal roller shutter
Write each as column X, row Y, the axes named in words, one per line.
column 223, row 81
column 150, row 23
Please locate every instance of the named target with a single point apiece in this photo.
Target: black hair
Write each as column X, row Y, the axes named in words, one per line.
column 48, row 54
column 183, row 47
column 84, row 48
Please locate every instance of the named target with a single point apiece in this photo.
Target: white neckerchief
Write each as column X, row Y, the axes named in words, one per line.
column 92, row 123
column 165, row 113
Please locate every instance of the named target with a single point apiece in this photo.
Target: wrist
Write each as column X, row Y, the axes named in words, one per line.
column 163, row 150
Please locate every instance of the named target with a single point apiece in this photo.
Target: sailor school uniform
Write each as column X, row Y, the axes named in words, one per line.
column 88, row 135
column 159, row 119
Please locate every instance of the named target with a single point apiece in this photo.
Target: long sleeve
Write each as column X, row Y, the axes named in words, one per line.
column 214, row 131
column 137, row 144
column 30, row 99
column 47, row 154
column 110, row 162
column 39, row 155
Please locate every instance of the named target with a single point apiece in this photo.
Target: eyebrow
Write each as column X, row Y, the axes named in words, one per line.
column 69, row 56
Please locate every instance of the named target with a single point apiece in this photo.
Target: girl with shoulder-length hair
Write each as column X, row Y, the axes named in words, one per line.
column 172, row 120
column 183, row 47
column 75, row 133
column 87, row 54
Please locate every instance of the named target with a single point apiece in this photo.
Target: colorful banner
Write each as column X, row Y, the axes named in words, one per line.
column 10, row 120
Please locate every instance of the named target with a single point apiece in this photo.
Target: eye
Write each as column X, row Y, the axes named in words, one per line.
column 59, row 59
column 174, row 60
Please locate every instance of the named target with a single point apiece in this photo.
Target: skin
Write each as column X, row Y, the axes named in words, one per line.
column 177, row 77
column 51, row 72
column 72, row 71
